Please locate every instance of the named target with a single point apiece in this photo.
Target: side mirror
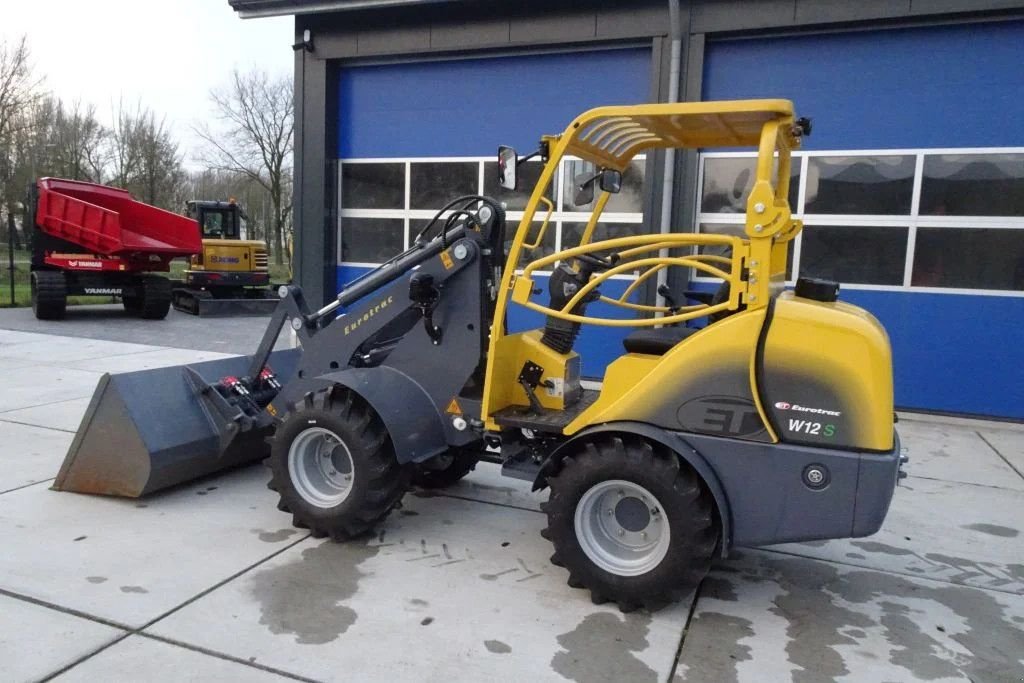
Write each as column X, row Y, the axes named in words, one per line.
column 611, row 180
column 583, row 189
column 508, row 160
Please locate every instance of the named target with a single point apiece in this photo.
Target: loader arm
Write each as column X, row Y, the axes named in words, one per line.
column 147, row 430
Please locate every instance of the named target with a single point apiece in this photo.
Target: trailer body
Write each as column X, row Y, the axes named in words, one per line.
column 90, row 239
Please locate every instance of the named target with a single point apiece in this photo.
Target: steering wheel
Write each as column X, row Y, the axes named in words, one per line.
column 597, row 263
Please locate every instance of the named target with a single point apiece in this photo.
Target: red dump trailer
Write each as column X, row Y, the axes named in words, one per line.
column 92, row 239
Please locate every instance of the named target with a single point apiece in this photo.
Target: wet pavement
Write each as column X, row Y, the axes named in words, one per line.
column 208, row 581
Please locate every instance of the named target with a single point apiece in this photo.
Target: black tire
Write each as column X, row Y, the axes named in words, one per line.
column 682, row 501
column 378, row 481
column 446, row 469
column 132, row 304
column 155, row 300
column 49, row 294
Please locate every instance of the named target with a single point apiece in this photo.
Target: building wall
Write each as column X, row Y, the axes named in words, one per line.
column 716, row 42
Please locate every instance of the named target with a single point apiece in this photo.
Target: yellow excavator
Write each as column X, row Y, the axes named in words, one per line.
column 231, row 275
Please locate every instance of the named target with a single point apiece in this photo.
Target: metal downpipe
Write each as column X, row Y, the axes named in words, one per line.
column 675, row 60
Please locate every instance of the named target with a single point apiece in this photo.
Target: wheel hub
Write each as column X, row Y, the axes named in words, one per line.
column 632, row 514
column 321, row 467
column 620, row 526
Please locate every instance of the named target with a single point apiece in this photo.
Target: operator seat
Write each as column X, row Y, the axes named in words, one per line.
column 656, row 341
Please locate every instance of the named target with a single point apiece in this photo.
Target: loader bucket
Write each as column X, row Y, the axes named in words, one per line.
column 145, row 431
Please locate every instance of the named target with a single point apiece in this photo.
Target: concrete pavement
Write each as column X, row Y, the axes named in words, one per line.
column 209, row 581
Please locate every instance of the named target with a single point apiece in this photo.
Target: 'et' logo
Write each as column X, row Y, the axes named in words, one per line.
column 782, row 405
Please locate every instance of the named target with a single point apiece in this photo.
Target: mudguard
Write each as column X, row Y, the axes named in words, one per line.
column 415, row 424
column 670, row 440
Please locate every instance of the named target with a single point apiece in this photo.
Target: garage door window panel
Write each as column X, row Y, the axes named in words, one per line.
column 630, row 199
column 869, row 255
column 515, row 200
column 373, row 186
column 434, row 184
column 572, row 233
column 865, row 185
column 969, row 258
column 973, row 185
column 728, row 181
column 733, row 230
column 371, row 240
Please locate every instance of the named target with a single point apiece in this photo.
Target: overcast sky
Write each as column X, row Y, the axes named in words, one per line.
column 168, row 53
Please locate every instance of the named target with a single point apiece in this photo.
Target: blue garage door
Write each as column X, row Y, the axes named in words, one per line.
column 911, row 189
column 413, row 136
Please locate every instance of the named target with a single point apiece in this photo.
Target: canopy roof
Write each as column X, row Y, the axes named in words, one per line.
column 611, row 136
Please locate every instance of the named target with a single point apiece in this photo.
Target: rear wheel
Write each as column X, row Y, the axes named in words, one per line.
column 446, row 469
column 155, row 299
column 630, row 523
column 49, row 294
column 334, row 467
column 132, row 303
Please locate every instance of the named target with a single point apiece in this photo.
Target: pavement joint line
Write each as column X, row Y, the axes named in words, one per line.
column 1001, row 456
column 67, row 610
column 226, row 657
column 130, row 630
column 29, row 424
column 952, row 481
column 25, row 486
column 486, row 502
column 894, row 572
column 43, row 405
column 89, row 655
column 71, row 336
column 686, row 630
column 102, row 356
column 221, row 583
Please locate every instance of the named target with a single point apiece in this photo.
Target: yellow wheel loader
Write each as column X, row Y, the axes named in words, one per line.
column 231, row 275
column 762, row 416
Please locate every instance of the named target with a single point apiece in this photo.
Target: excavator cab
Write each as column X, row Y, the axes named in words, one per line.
column 218, row 220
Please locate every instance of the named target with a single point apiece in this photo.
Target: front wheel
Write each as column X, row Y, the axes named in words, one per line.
column 630, row 523
column 334, row 467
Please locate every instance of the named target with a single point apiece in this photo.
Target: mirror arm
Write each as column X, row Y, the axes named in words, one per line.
column 541, row 152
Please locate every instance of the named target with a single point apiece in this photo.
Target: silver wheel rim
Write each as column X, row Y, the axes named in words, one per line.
column 321, row 467
column 622, row 528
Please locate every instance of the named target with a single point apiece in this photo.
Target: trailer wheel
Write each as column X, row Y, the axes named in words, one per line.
column 132, row 303
column 446, row 469
column 334, row 467
column 630, row 523
column 49, row 294
column 155, row 301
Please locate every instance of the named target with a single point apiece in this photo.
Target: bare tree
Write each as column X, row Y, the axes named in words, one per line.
column 19, row 86
column 19, row 89
column 79, row 143
column 124, row 152
column 160, row 170
column 144, row 157
column 256, row 114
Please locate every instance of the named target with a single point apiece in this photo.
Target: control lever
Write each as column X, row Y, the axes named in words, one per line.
column 665, row 293
column 529, row 379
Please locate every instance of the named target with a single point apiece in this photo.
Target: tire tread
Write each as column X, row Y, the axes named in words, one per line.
column 694, row 535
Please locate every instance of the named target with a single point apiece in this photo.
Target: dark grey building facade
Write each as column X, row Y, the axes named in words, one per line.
column 911, row 186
